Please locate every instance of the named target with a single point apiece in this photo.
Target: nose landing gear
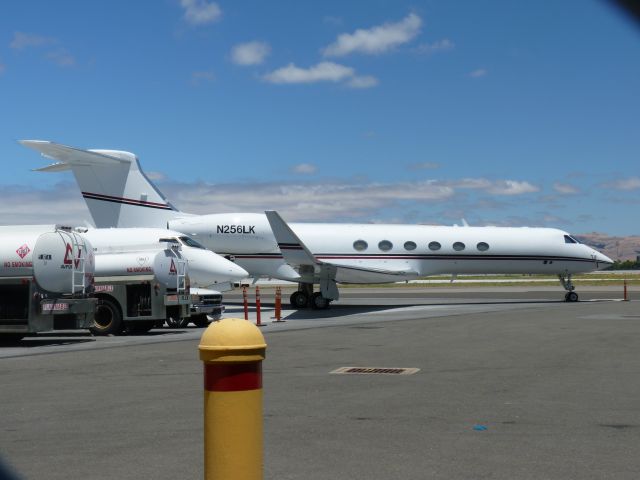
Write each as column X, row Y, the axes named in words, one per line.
column 571, row 295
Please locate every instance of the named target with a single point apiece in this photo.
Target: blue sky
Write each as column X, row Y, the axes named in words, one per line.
column 499, row 112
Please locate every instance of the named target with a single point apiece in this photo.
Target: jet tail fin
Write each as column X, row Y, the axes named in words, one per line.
column 115, row 188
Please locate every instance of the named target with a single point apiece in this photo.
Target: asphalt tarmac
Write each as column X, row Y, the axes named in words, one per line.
column 512, row 384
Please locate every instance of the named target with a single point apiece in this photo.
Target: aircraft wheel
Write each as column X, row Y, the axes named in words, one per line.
column 572, row 297
column 299, row 300
column 319, row 302
column 107, row 319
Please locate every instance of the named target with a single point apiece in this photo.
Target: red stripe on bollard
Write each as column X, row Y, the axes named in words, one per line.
column 232, row 377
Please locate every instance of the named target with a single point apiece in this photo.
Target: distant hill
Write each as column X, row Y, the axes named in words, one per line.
column 616, row 248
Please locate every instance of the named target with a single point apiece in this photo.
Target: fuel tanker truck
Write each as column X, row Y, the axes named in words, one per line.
column 46, row 277
column 141, row 289
column 208, row 273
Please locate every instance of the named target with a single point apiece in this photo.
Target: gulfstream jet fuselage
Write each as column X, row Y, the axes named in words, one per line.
column 118, row 194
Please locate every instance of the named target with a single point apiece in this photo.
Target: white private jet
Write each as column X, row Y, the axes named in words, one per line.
column 207, row 270
column 119, row 194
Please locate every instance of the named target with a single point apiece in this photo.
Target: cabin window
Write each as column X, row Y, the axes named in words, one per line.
column 483, row 246
column 434, row 246
column 360, row 245
column 410, row 245
column 570, row 239
column 385, row 245
column 458, row 246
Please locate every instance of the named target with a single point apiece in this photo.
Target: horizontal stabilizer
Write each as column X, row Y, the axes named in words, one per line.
column 71, row 155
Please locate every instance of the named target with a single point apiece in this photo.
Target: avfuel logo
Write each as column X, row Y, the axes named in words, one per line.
column 69, row 260
column 172, row 269
column 23, row 251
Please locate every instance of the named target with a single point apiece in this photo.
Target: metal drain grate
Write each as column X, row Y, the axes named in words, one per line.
column 375, row 371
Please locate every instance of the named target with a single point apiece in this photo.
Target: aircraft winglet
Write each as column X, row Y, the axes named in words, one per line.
column 293, row 250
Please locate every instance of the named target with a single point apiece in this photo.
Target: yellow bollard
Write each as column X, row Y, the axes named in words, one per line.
column 232, row 351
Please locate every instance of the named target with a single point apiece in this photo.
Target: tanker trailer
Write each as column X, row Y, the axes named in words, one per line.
column 140, row 289
column 46, row 276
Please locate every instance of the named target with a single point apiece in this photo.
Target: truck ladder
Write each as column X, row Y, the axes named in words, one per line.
column 78, row 278
column 181, row 271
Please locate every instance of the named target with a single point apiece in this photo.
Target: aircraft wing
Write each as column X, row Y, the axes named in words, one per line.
column 382, row 271
column 67, row 155
column 296, row 253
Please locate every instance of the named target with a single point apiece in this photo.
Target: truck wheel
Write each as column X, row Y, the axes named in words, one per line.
column 177, row 322
column 174, row 320
column 8, row 338
column 200, row 321
column 108, row 319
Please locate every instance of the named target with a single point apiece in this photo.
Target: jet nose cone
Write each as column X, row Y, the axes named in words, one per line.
column 207, row 268
column 236, row 272
column 603, row 261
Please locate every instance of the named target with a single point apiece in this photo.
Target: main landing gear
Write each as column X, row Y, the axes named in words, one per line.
column 305, row 297
column 571, row 295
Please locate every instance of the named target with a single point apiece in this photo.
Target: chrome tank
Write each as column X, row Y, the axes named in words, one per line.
column 60, row 261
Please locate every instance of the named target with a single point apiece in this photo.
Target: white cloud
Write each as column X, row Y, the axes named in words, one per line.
column 24, row 205
column 480, row 72
column 377, row 39
column 565, row 188
column 495, row 187
column 305, row 168
column 156, row 176
column 439, row 46
column 511, row 187
column 365, row 81
column 61, row 57
column 201, row 77
column 23, row 40
column 631, row 183
column 319, row 201
column 250, row 53
column 424, row 166
column 471, row 183
column 200, row 12
column 322, row 72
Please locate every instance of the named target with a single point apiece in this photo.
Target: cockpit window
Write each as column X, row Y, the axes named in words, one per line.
column 190, row 242
column 570, row 239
